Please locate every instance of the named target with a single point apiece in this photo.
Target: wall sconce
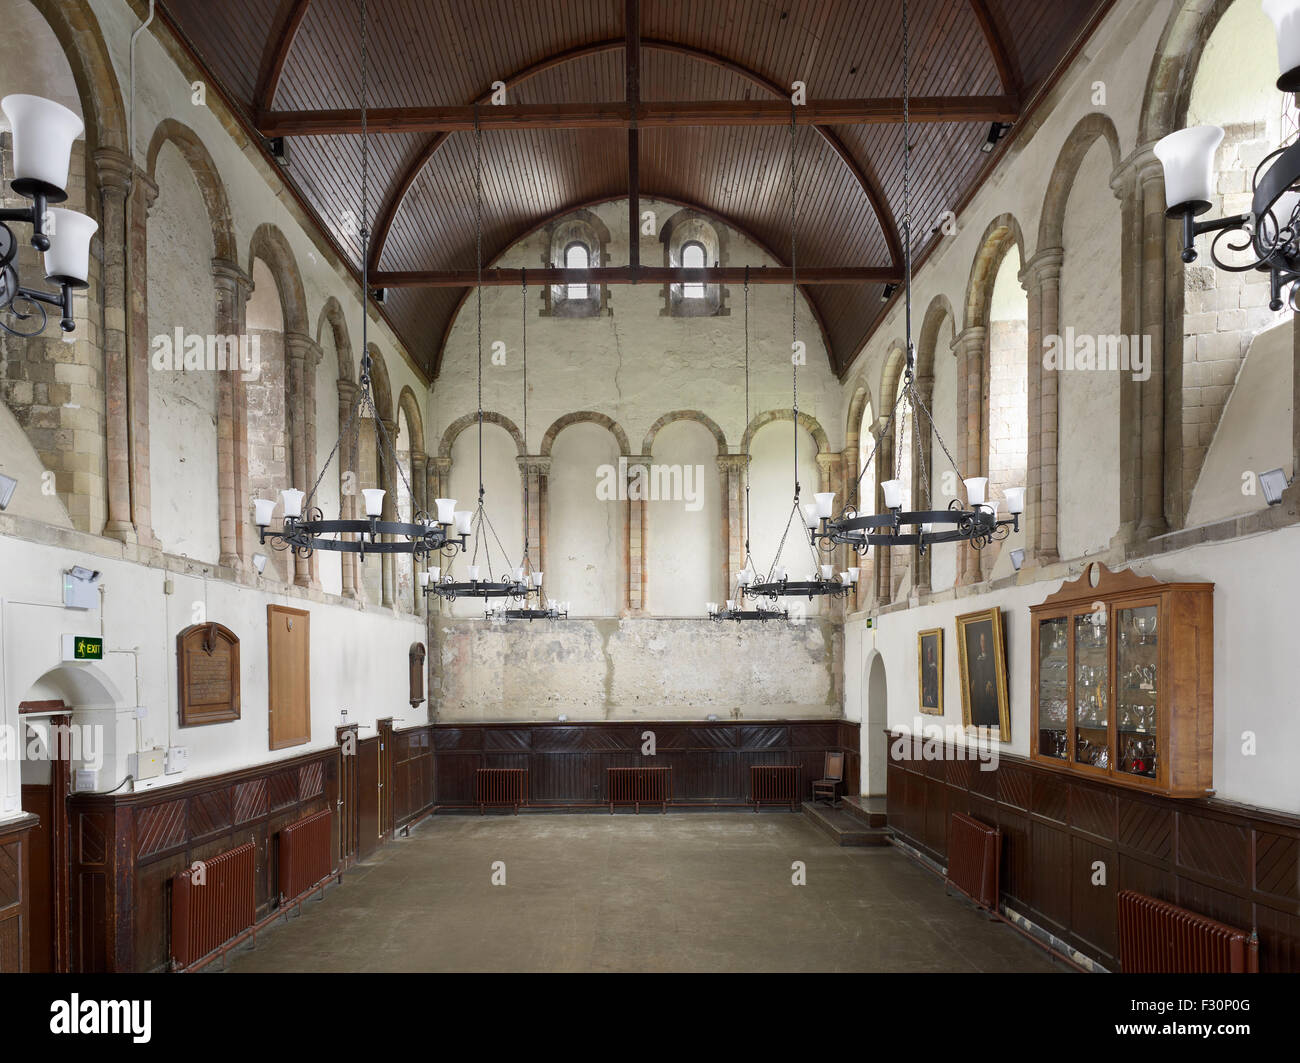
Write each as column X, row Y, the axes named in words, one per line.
column 1017, row 559
column 7, row 486
column 259, row 563
column 1274, row 482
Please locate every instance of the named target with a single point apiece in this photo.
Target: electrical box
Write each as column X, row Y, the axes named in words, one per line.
column 178, row 759
column 81, row 588
column 87, row 781
column 145, row 765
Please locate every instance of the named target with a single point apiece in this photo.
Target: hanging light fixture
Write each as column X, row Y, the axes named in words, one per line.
column 43, row 135
column 478, row 582
column 976, row 522
column 822, row 582
column 1271, row 230
column 305, row 530
column 747, row 574
column 525, row 573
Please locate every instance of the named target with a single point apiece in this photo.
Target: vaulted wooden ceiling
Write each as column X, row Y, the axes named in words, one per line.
column 568, row 138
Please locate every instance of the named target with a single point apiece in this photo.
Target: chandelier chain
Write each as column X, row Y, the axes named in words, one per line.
column 794, row 301
column 478, row 253
column 746, row 454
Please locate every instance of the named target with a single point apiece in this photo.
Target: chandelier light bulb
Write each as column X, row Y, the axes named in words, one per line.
column 976, row 490
column 537, row 579
column 893, row 490
column 424, row 579
column 730, row 605
column 434, row 573
column 1187, row 156
column 1286, row 20
column 446, row 510
column 854, row 575
column 809, row 514
column 927, row 528
column 68, row 259
column 745, row 578
column 292, row 502
column 827, row 571
column 463, row 519
column 374, row 497
column 1015, row 500
column 825, row 503
column 474, row 573
column 263, row 510
column 43, row 134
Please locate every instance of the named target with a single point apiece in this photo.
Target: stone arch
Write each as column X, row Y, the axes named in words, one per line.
column 859, row 399
column 1173, row 67
column 381, row 389
column 1002, row 234
column 891, row 371
column 581, row 417
column 806, row 421
column 688, row 226
column 84, row 45
column 469, row 420
column 206, row 175
column 331, row 317
column 1085, row 133
column 269, row 244
column 408, row 405
column 928, row 343
column 685, row 415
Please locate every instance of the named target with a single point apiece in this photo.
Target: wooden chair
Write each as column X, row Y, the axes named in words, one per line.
column 829, row 786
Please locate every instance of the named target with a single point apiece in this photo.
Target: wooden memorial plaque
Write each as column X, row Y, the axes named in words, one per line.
column 207, row 657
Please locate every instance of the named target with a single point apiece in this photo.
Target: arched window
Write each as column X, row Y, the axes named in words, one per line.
column 576, row 256
column 693, row 258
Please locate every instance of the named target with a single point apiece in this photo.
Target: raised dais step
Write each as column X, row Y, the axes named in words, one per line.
column 842, row 827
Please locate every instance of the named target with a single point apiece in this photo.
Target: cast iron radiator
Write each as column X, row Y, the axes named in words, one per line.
column 974, row 853
column 1156, row 937
column 639, row 786
column 775, row 783
column 305, row 854
column 501, row 786
column 212, row 902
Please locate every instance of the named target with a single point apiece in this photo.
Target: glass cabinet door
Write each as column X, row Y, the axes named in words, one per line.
column 1137, row 669
column 1053, row 688
column 1092, row 689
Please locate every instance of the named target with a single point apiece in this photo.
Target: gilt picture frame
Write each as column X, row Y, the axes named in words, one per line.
column 982, row 657
column 929, row 671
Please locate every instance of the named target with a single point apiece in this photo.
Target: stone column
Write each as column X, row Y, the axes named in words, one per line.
column 233, row 287
column 419, row 504
column 1161, row 455
column 883, row 568
column 302, row 354
column 533, row 468
column 144, row 193
column 971, row 346
column 1041, row 278
column 348, row 460
column 923, row 452
column 637, row 534
column 388, row 468
column 114, row 171
column 731, row 478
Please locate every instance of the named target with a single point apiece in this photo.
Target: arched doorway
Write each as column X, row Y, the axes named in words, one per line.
column 875, row 745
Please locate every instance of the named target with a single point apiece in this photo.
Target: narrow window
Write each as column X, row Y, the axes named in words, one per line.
column 693, row 258
column 576, row 256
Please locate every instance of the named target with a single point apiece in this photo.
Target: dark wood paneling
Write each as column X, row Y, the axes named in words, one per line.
column 368, row 796
column 127, row 847
column 14, row 900
column 567, row 762
column 1069, row 845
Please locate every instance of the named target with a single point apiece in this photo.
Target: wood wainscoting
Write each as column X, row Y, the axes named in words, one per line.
column 126, row 847
column 567, row 762
column 1236, row 864
column 15, row 906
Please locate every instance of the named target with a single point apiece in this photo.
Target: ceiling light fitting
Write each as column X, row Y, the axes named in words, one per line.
column 43, row 134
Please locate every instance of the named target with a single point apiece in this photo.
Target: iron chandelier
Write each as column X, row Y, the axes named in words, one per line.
column 976, row 523
column 43, row 135
column 305, row 530
column 1270, row 231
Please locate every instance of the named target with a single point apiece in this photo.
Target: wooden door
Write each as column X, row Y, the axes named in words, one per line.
column 348, row 792
column 288, row 638
column 368, row 821
column 49, row 944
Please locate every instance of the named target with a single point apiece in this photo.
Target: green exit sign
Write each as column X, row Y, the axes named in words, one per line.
column 83, row 648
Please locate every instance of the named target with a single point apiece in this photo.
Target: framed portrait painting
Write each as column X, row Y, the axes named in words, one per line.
column 929, row 670
column 982, row 655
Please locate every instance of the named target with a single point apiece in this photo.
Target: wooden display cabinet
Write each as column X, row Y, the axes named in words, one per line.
column 1123, row 681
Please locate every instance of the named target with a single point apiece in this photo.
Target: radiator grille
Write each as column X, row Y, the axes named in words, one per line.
column 498, row 787
column 1156, row 937
column 305, row 854
column 774, row 783
column 639, row 786
column 212, row 903
column 974, row 852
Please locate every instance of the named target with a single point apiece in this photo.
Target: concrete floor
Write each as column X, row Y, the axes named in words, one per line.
column 687, row 892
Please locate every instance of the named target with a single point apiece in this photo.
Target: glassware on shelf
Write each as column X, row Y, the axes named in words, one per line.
column 1053, row 689
column 1138, row 693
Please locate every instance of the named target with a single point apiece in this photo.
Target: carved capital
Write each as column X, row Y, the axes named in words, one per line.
column 113, row 171
column 300, row 348
column 534, row 463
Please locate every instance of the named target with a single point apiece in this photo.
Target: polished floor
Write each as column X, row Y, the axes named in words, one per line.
column 681, row 893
